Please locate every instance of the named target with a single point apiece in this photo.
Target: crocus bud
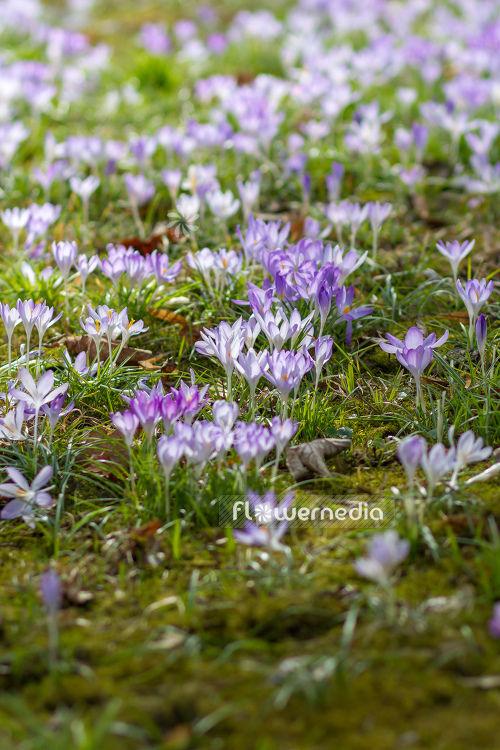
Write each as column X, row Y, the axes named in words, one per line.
column 410, row 452
column 481, row 334
column 51, row 591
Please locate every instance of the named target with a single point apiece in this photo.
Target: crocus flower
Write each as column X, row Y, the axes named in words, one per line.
column 469, row 449
column 163, row 272
column 416, row 361
column 356, row 216
column 337, row 214
column 481, row 336
column 127, row 423
column 222, row 205
column 322, row 352
column 11, row 426
column 344, row 299
column 455, row 253
column 412, row 340
column 140, row 190
column 54, row 411
column 28, row 312
column 15, row 219
column 11, row 318
column 283, row 373
column 474, row 296
column 37, row 394
column 172, row 179
column 51, row 591
column 377, row 214
column 225, row 343
column 385, row 552
column 251, row 367
column 272, row 524
column 85, row 266
column 225, row 414
column 282, row 432
column 64, row 255
column 26, row 495
column 249, row 194
column 252, row 442
column 436, row 464
column 43, row 322
column 84, row 189
column 189, row 399
column 146, row 408
column 169, row 451
column 410, row 453
column 494, row 623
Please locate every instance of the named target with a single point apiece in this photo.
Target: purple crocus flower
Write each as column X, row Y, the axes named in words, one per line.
column 410, row 453
column 251, row 367
column 494, row 623
column 172, row 179
column 85, row 266
column 474, row 296
column 10, row 318
column 54, row 411
column 28, row 312
column 455, row 253
column 377, row 213
column 344, row 299
column 225, row 414
column 84, row 189
column 272, row 522
column 51, row 592
column 436, row 464
column 225, row 343
column 412, row 340
column 283, row 373
column 127, row 423
column 252, row 442
column 356, row 216
column 416, row 361
column 155, row 39
column 323, row 347
column 337, row 214
column 334, row 181
column 282, row 432
column 146, row 407
column 64, row 255
column 385, row 552
column 169, row 451
column 481, row 336
column 469, row 449
column 190, row 400
column 27, row 496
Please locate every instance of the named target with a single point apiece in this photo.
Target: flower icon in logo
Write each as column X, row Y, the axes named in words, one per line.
column 183, row 219
column 263, row 513
column 182, row 224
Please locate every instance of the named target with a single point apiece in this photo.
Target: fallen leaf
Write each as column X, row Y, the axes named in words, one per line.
column 146, row 247
column 309, row 458
column 103, row 452
column 438, row 382
column 461, row 317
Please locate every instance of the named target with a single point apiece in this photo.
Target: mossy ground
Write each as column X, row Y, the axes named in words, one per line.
column 181, row 639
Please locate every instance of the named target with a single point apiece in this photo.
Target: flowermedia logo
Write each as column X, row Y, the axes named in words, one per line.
column 345, row 512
